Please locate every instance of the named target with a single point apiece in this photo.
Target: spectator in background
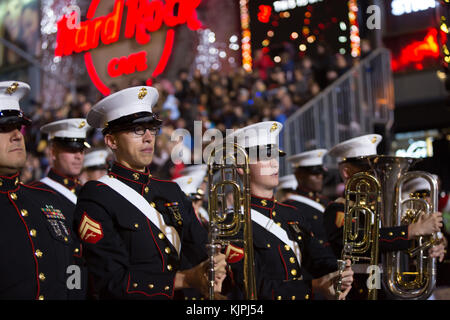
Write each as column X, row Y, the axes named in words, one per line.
column 321, row 65
column 262, row 62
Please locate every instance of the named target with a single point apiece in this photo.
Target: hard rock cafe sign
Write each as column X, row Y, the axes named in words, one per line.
column 141, row 19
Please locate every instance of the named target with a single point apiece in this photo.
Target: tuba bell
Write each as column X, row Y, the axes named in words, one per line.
column 376, row 200
column 226, row 222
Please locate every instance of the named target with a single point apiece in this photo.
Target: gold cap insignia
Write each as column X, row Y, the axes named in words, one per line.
column 82, row 124
column 189, row 180
column 374, row 139
column 273, row 127
column 11, row 89
column 320, row 154
column 142, row 93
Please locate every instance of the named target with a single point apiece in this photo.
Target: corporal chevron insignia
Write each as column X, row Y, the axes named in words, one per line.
column 234, row 254
column 90, row 230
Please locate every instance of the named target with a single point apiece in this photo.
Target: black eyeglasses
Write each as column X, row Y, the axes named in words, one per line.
column 140, row 130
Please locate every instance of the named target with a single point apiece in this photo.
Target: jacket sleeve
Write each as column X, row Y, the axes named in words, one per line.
column 195, row 237
column 113, row 274
column 394, row 239
column 333, row 220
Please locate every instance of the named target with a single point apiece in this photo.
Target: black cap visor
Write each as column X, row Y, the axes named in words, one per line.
column 124, row 123
column 11, row 117
column 313, row 169
column 265, row 152
column 71, row 144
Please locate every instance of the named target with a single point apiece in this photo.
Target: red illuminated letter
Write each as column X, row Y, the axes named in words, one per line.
column 111, row 27
column 135, row 21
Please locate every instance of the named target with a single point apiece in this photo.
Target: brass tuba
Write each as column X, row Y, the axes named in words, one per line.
column 378, row 200
column 412, row 274
column 226, row 222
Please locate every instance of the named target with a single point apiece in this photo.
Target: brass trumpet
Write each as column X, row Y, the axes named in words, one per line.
column 225, row 222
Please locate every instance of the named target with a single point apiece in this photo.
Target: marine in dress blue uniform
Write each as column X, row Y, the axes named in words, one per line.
column 139, row 233
column 68, row 143
column 288, row 257
column 309, row 166
column 350, row 155
column 95, row 164
column 35, row 237
column 193, row 185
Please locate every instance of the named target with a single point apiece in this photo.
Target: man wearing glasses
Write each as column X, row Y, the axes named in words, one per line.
column 141, row 237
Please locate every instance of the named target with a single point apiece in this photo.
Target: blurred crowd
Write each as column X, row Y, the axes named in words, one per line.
column 272, row 91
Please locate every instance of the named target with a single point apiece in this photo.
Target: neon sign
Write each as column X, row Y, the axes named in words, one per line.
column 142, row 18
column 401, row 7
column 417, row 51
column 284, row 5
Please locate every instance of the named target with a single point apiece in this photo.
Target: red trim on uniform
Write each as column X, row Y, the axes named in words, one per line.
column 81, row 252
column 196, row 215
column 101, row 184
column 74, row 180
column 156, row 243
column 115, row 174
column 35, row 183
column 286, row 205
column 32, row 247
column 143, row 292
column 14, row 190
column 10, row 177
column 163, row 180
column 255, row 205
column 36, row 188
column 284, row 263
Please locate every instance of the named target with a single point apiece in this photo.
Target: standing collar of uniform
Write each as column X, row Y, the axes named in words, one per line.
column 266, row 203
column 67, row 181
column 133, row 178
column 9, row 183
column 305, row 193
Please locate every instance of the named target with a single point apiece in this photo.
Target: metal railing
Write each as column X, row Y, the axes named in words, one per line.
column 349, row 107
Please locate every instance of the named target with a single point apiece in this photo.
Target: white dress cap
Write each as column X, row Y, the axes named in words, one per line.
column 356, row 147
column 308, row 158
column 190, row 183
column 416, row 184
column 75, row 128
column 258, row 134
column 194, row 169
column 288, row 182
column 96, row 158
column 122, row 103
column 10, row 94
